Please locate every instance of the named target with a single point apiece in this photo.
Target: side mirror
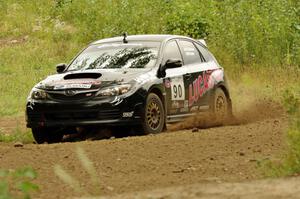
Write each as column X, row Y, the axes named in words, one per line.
column 170, row 63
column 173, row 63
column 61, row 68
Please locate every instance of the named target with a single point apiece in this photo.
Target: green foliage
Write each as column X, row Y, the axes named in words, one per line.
column 258, row 31
column 17, row 136
column 185, row 22
column 291, row 101
column 36, row 35
column 290, row 164
column 17, row 183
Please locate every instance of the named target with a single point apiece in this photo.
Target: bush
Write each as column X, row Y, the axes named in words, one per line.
column 17, row 183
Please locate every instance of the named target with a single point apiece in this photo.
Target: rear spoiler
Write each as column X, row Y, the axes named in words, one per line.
column 202, row 41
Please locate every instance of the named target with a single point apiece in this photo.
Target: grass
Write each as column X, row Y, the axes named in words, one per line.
column 289, row 165
column 240, row 33
column 18, row 135
column 17, row 183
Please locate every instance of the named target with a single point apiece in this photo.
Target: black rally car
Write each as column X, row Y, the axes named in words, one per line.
column 140, row 80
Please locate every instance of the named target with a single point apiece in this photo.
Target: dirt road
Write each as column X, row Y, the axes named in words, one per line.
column 214, row 155
column 259, row 189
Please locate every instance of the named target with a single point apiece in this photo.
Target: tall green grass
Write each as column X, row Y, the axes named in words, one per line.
column 240, row 33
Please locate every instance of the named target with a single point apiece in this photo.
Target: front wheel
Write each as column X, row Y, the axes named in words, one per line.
column 220, row 107
column 154, row 115
column 48, row 135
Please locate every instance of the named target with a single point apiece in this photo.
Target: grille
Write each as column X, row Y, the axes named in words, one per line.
column 63, row 97
column 84, row 115
column 71, row 116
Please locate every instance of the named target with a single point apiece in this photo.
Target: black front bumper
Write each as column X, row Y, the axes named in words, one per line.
column 75, row 114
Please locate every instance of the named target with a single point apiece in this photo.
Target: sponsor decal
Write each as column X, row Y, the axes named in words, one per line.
column 177, row 88
column 97, row 82
column 70, row 86
column 175, row 104
column 199, row 87
column 128, row 114
column 194, row 109
column 186, row 103
column 186, row 109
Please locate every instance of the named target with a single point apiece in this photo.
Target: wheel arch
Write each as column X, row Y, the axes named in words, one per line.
column 159, row 92
column 226, row 92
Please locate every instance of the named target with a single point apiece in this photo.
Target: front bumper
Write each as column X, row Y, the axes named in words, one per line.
column 114, row 111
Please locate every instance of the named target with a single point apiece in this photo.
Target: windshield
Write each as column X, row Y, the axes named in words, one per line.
column 117, row 55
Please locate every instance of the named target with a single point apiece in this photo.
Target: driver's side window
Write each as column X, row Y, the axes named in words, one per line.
column 171, row 51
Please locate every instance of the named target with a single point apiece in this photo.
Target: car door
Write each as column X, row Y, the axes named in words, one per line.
column 176, row 95
column 197, row 76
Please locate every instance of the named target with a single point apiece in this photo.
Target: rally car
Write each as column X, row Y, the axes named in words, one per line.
column 143, row 81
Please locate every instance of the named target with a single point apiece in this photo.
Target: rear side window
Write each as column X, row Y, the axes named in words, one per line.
column 172, row 51
column 190, row 53
column 207, row 56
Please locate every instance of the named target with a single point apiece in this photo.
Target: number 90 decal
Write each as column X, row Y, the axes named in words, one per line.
column 177, row 88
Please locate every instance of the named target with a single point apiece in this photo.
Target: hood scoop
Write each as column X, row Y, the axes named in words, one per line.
column 83, row 76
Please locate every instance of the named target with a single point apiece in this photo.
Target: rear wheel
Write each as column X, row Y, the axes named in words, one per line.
column 220, row 106
column 49, row 135
column 154, row 115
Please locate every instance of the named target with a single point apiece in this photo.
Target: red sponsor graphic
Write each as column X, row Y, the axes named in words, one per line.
column 199, row 87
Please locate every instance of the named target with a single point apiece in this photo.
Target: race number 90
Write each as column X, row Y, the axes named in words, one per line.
column 177, row 89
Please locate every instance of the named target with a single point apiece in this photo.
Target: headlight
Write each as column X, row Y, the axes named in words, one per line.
column 38, row 94
column 115, row 90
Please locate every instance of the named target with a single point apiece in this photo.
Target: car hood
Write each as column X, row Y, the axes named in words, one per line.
column 93, row 79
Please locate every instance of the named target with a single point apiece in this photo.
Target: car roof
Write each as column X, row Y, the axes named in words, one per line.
column 149, row 37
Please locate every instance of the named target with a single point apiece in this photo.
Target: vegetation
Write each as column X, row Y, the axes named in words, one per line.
column 36, row 35
column 290, row 164
column 18, row 135
column 17, row 183
column 257, row 41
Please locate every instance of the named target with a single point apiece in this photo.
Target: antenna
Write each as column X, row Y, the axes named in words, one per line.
column 124, row 38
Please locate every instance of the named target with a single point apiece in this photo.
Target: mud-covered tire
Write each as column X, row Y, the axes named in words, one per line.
column 46, row 135
column 220, row 107
column 153, row 115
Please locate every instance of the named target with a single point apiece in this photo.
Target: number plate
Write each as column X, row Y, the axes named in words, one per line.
column 177, row 88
